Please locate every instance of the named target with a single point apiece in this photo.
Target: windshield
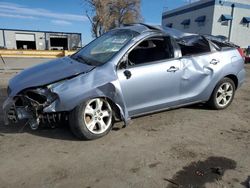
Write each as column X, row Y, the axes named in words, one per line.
column 105, row 47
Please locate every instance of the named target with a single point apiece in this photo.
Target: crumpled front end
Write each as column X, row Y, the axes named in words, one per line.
column 52, row 103
column 29, row 106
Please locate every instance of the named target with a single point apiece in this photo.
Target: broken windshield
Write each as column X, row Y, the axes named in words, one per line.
column 105, row 47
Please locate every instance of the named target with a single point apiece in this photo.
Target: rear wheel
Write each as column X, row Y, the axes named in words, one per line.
column 223, row 94
column 92, row 119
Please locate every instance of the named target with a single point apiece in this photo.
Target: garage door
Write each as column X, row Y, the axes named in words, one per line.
column 58, row 42
column 25, row 37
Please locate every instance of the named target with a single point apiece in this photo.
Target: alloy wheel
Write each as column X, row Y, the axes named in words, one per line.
column 97, row 115
column 224, row 94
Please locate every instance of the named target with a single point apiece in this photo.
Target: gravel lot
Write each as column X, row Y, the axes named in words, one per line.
column 186, row 147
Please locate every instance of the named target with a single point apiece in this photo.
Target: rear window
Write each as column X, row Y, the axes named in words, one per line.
column 220, row 42
column 194, row 45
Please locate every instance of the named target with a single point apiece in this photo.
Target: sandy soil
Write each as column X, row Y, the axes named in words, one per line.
column 186, row 147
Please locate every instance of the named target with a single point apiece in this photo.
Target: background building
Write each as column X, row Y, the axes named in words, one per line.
column 229, row 18
column 39, row 40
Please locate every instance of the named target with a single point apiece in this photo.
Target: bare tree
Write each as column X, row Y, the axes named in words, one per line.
column 107, row 14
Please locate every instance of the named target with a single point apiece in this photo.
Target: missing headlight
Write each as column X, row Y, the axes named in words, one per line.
column 41, row 96
column 19, row 101
column 41, row 99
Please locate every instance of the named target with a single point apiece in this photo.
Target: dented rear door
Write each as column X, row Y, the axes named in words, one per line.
column 199, row 72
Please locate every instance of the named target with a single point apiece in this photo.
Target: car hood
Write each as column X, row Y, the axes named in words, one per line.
column 47, row 73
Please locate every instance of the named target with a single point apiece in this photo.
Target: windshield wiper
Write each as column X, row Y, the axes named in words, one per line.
column 81, row 59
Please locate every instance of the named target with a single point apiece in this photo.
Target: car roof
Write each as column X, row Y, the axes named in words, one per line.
column 142, row 28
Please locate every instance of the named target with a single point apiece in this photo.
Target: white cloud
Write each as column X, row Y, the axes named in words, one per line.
column 8, row 15
column 60, row 22
column 190, row 1
column 16, row 9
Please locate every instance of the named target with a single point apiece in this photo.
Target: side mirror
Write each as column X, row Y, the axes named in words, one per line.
column 127, row 73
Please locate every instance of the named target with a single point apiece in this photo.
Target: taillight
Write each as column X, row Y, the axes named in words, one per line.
column 241, row 52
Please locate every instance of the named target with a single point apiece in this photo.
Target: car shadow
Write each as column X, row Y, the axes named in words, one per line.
column 198, row 106
column 61, row 132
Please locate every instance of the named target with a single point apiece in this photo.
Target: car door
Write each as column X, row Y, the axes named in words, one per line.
column 201, row 72
column 150, row 86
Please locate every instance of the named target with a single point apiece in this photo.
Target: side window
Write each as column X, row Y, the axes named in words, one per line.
column 150, row 50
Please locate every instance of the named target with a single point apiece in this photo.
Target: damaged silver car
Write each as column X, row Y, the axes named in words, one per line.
column 127, row 72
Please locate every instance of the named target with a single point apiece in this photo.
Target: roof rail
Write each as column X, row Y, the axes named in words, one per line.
column 158, row 28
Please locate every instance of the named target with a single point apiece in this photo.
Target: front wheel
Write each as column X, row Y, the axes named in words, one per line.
column 92, row 119
column 223, row 94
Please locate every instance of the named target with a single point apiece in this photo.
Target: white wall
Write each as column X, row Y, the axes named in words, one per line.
column 218, row 28
column 74, row 41
column 1, row 38
column 10, row 39
column 240, row 33
column 40, row 41
column 193, row 27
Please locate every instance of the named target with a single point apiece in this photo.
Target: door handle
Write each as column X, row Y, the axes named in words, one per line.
column 173, row 69
column 127, row 73
column 214, row 62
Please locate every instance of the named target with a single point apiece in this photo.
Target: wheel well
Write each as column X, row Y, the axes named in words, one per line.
column 115, row 109
column 234, row 78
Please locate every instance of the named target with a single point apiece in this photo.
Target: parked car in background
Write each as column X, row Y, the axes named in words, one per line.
column 127, row 72
column 247, row 55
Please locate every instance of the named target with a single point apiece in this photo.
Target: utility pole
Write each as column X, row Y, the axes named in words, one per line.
column 231, row 23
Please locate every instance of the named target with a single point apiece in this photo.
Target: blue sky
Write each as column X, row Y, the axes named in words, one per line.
column 67, row 16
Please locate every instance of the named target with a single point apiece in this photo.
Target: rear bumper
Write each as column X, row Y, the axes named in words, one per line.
column 241, row 77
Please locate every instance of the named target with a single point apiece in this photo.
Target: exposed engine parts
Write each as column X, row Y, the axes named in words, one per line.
column 29, row 106
column 40, row 97
column 12, row 116
column 49, row 119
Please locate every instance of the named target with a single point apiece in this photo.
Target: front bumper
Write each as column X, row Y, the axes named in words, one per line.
column 13, row 113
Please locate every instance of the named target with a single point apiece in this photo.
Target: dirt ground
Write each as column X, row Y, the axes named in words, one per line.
column 186, row 147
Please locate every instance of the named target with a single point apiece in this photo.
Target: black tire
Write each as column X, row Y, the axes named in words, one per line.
column 213, row 102
column 78, row 125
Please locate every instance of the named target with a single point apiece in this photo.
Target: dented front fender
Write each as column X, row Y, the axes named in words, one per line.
column 100, row 82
